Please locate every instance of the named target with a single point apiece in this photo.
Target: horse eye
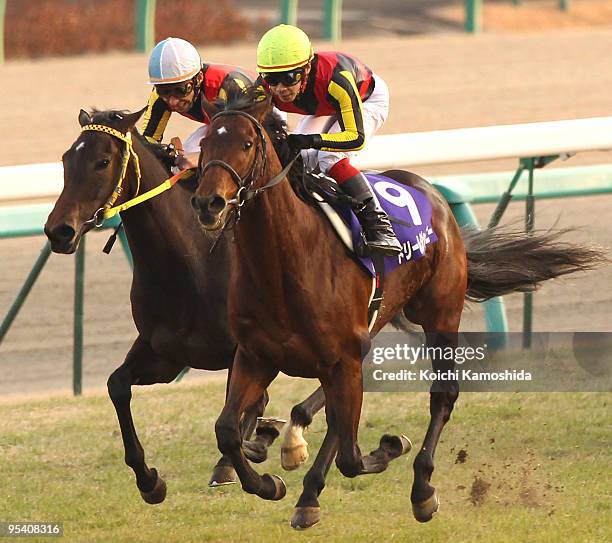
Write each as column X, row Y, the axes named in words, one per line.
column 247, row 145
column 101, row 164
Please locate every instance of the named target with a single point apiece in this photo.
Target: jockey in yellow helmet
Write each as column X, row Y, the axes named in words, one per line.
column 343, row 103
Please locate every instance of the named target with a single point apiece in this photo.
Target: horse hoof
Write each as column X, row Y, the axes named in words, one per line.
column 425, row 510
column 395, row 446
column 223, row 475
column 158, row 494
column 273, row 423
column 305, row 517
column 406, row 444
column 273, row 488
column 293, row 457
column 294, row 450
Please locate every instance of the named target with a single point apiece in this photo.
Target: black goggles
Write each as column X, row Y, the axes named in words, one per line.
column 165, row 91
column 288, row 79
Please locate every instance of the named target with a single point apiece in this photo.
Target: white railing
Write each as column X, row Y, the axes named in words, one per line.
column 394, row 151
column 31, row 181
column 487, row 143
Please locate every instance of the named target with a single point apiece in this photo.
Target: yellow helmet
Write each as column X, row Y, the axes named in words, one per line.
column 283, row 48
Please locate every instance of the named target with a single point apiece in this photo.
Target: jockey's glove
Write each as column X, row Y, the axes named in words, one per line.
column 166, row 153
column 297, row 142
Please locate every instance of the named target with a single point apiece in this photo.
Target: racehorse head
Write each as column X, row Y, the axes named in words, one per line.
column 95, row 171
column 233, row 159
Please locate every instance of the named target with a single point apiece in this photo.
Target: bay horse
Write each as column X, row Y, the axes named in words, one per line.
column 179, row 289
column 298, row 303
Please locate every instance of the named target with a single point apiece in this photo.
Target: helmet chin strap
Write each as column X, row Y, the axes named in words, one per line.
column 197, row 88
column 305, row 79
column 303, row 84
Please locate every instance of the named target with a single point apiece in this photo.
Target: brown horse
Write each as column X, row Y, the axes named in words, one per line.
column 298, row 302
column 179, row 289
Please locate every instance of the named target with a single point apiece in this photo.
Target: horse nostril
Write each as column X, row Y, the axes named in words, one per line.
column 213, row 206
column 63, row 232
column 217, row 204
column 195, row 203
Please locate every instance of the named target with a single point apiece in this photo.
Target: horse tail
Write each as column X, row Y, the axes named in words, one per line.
column 502, row 261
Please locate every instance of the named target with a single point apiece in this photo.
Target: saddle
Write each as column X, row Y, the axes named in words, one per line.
column 408, row 209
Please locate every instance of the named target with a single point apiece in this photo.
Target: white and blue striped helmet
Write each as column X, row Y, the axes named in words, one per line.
column 173, row 60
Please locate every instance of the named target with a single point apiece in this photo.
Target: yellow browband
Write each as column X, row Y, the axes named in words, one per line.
column 109, row 210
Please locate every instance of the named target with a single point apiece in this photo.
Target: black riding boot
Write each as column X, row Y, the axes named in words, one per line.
column 375, row 222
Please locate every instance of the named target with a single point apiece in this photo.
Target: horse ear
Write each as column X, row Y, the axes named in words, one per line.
column 84, row 118
column 130, row 120
column 261, row 108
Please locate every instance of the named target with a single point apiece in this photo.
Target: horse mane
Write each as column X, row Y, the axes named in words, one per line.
column 110, row 117
column 239, row 99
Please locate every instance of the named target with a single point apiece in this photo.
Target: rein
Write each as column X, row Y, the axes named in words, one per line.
column 109, row 209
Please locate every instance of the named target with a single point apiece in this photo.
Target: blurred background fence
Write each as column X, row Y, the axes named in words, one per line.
column 36, row 28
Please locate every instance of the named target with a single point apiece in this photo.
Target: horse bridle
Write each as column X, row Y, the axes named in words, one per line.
column 99, row 216
column 245, row 183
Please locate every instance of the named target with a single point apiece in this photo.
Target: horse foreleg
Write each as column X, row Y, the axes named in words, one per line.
column 443, row 395
column 294, row 450
column 224, row 473
column 267, row 429
column 247, row 383
column 139, row 368
column 307, row 509
column 256, row 450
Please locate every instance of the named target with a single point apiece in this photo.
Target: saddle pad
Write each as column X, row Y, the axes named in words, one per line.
column 398, row 200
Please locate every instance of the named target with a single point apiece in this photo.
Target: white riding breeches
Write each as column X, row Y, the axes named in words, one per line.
column 192, row 143
column 375, row 113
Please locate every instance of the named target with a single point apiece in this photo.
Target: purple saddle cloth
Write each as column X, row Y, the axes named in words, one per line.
column 407, row 204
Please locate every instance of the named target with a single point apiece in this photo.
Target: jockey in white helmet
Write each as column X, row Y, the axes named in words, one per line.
column 180, row 80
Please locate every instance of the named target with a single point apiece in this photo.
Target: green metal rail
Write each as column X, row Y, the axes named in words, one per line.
column 458, row 196
column 473, row 13
column 332, row 17
column 288, row 12
column 27, row 221
column 557, row 183
column 145, row 25
column 486, row 188
column 2, row 13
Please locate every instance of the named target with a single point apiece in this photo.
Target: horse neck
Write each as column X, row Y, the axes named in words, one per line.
column 154, row 227
column 152, row 173
column 275, row 234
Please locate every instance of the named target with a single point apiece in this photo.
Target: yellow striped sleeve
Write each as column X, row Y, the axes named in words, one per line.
column 156, row 118
column 343, row 91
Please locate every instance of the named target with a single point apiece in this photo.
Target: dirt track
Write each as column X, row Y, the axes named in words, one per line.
column 436, row 82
